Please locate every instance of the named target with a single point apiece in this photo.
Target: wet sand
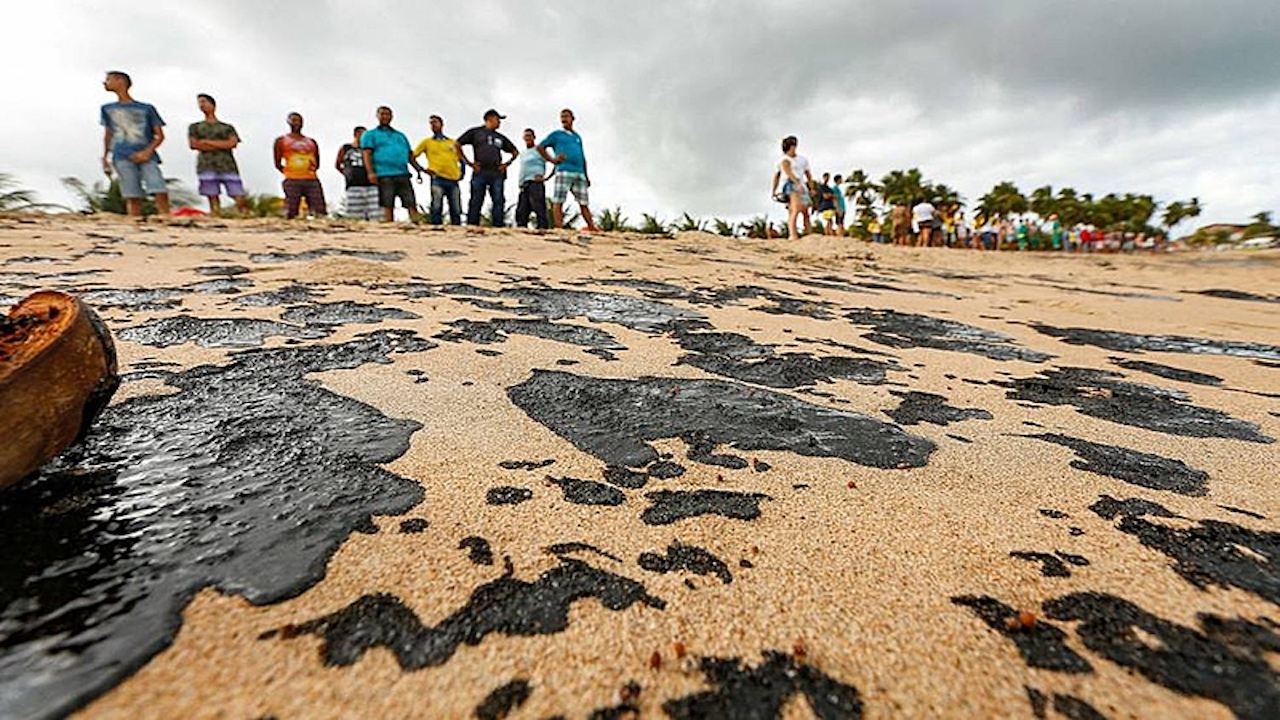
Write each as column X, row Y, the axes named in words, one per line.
column 362, row 471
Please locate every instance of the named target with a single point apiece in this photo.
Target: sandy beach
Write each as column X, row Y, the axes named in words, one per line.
column 363, row 471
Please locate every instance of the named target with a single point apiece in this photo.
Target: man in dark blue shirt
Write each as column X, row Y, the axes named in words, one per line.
column 489, row 171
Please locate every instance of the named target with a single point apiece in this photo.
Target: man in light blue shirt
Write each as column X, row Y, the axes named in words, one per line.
column 571, row 169
column 132, row 131
column 533, row 187
column 388, row 155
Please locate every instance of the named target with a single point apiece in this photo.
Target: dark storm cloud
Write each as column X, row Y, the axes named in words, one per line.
column 689, row 99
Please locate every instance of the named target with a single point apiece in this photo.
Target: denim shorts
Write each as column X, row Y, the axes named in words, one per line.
column 789, row 187
column 136, row 176
column 212, row 181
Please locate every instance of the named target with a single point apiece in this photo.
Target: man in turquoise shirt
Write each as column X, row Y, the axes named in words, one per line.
column 571, row 169
column 387, row 155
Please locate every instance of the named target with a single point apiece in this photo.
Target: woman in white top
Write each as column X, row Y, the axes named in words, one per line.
column 795, row 168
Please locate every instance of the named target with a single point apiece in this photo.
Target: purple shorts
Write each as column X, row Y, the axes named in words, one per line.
column 212, row 182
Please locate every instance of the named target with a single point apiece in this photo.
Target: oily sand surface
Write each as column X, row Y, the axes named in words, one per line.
column 855, row 567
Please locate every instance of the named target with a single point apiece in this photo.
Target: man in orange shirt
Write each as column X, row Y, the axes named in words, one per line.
column 298, row 158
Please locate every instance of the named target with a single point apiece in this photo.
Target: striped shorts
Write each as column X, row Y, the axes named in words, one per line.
column 567, row 182
column 362, row 203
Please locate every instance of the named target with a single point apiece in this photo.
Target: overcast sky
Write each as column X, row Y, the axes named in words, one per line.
column 682, row 104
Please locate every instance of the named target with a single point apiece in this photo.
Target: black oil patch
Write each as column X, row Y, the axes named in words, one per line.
column 1133, row 467
column 507, row 606
column 906, row 330
column 587, row 492
column 214, row 332
column 1226, row 665
column 498, row 330
column 1110, row 508
column 666, row 470
column 690, row 558
column 1168, row 372
column 480, row 552
column 739, row 691
column 1214, row 553
column 739, row 357
column 641, row 314
column 507, row 495
column 1055, row 514
column 569, row 548
column 344, row 313
column 625, row 477
column 137, row 299
column 671, row 506
column 1039, row 702
column 287, row 295
column 504, row 700
column 414, row 526
column 1051, row 565
column 651, row 289
column 529, row 465
column 1130, row 342
column 1227, row 294
column 1073, row 708
column 309, row 255
column 221, row 286
column 615, row 420
column 246, row 480
column 1242, row 511
column 221, row 270
column 1042, row 645
column 918, row 407
column 1100, row 394
column 960, row 439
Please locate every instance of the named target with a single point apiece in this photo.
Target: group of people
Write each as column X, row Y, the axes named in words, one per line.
column 375, row 165
column 802, row 195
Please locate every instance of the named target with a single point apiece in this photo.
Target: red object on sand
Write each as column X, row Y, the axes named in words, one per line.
column 189, row 212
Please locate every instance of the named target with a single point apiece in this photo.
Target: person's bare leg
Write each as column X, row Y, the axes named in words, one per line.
column 794, row 209
column 808, row 223
column 242, row 204
column 388, row 214
column 162, row 203
column 133, row 206
column 557, row 214
column 586, row 215
column 215, row 206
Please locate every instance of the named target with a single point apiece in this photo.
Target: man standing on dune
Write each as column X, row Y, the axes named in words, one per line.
column 297, row 157
column 533, row 187
column 387, row 156
column 132, row 132
column 571, row 170
column 216, row 169
column 444, row 165
column 489, row 171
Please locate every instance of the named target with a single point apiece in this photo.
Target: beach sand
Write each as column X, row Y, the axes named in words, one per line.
column 557, row 474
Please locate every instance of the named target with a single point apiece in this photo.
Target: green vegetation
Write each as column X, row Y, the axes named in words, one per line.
column 18, row 199
column 106, row 198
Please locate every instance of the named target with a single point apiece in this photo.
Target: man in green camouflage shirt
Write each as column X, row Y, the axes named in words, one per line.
column 216, row 168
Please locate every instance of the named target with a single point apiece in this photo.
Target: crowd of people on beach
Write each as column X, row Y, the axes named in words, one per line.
column 378, row 165
column 922, row 224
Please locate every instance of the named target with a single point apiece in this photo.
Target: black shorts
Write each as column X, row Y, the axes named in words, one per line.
column 925, row 225
column 396, row 186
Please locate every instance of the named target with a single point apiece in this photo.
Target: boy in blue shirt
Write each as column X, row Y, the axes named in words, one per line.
column 571, row 170
column 132, row 132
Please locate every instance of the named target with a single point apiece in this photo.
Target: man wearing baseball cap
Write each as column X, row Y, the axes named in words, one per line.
column 489, row 170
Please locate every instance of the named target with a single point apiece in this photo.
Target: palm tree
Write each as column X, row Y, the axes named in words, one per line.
column 1003, row 200
column 106, row 198
column 863, row 193
column 263, row 205
column 1043, row 202
column 903, row 187
column 612, row 220
column 723, row 228
column 757, row 227
column 15, row 199
column 688, row 223
column 652, row 225
column 1177, row 211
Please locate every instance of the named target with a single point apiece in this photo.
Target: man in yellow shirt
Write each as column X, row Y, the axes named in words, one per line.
column 444, row 165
